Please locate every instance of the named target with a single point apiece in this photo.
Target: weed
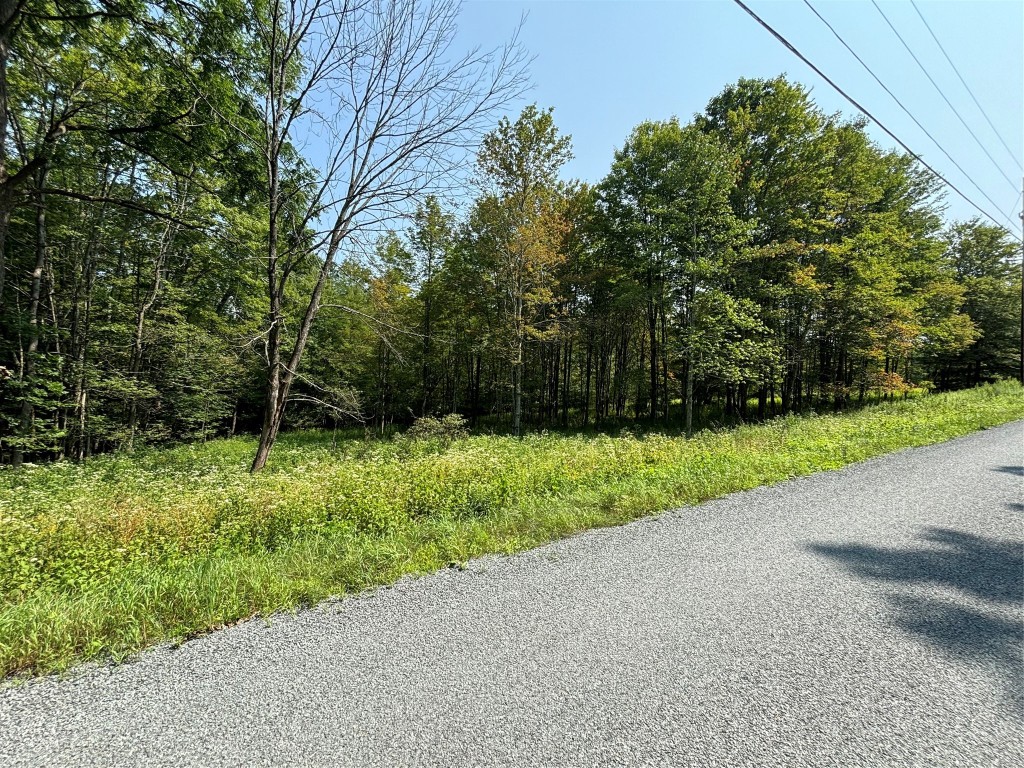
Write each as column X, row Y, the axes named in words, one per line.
column 104, row 558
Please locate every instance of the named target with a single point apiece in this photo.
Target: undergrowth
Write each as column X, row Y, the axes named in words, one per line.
column 101, row 559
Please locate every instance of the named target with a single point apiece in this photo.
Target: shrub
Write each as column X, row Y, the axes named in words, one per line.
column 446, row 428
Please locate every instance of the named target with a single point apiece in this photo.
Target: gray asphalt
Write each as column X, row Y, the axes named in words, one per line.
column 866, row 617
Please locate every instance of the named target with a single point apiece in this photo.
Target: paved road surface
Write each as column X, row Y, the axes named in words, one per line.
column 868, row 617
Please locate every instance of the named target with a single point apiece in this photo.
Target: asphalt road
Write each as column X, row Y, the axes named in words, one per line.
column 868, row 617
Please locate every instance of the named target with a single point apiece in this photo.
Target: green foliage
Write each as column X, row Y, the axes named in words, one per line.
column 109, row 556
column 449, row 427
column 139, row 249
column 985, row 263
column 763, row 253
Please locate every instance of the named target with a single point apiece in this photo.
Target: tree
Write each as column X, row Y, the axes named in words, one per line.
column 777, row 133
column 667, row 201
column 518, row 225
column 432, row 239
column 982, row 257
column 402, row 108
column 152, row 149
column 99, row 124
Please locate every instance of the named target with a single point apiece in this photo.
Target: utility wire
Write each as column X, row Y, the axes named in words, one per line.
column 967, row 87
column 867, row 114
column 909, row 113
column 956, row 112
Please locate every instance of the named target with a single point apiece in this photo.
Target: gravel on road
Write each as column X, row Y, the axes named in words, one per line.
column 872, row 616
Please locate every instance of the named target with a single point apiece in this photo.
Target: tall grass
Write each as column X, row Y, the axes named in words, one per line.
column 102, row 559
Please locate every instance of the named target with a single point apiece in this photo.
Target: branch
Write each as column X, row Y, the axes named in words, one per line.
column 125, row 129
column 123, row 204
column 352, row 414
column 24, row 173
column 372, row 319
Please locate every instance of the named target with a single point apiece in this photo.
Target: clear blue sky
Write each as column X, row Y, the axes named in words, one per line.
column 606, row 66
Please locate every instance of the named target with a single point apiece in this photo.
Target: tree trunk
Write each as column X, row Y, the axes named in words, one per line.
column 426, row 381
column 135, row 361
column 268, row 432
column 26, row 412
column 475, row 402
column 566, row 382
column 652, row 330
column 586, row 385
column 689, row 397
column 664, row 359
column 517, row 398
column 271, row 423
column 7, row 11
column 81, row 322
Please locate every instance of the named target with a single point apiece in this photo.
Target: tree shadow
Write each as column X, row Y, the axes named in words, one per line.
column 985, row 569
column 1010, row 470
column 970, row 635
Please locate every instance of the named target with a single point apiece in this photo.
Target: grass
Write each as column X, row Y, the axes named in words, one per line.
column 100, row 560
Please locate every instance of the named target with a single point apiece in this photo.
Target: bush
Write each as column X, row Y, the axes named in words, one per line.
column 447, row 428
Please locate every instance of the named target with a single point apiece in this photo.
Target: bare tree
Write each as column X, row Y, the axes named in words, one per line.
column 388, row 109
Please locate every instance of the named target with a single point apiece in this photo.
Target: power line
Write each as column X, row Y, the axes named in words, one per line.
column 966, row 86
column 963, row 122
column 867, row 114
column 909, row 113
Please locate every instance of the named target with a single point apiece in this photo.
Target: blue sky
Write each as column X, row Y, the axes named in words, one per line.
column 606, row 66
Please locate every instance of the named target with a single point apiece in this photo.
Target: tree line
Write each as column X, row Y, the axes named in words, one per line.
column 234, row 215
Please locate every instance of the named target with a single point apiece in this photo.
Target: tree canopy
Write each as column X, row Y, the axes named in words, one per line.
column 177, row 261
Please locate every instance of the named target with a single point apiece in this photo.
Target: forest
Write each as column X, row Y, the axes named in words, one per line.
column 250, row 216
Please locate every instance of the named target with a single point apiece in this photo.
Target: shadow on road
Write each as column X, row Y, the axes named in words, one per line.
column 985, row 568
column 975, row 566
column 1010, row 470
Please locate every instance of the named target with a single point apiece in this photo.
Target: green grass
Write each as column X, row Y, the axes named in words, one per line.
column 100, row 560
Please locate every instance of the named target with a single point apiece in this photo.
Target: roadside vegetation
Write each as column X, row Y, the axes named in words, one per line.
column 101, row 559
column 186, row 275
